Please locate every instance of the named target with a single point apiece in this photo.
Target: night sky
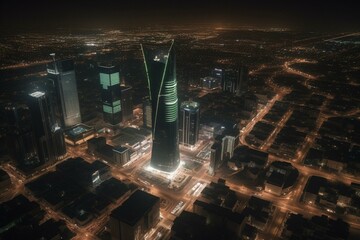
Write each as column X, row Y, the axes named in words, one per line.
column 41, row 14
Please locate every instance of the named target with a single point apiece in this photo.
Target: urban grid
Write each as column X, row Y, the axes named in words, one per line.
column 203, row 131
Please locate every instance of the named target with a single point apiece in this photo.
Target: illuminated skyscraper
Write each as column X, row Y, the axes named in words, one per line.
column 49, row 137
column 62, row 75
column 110, row 94
column 161, row 75
column 189, row 123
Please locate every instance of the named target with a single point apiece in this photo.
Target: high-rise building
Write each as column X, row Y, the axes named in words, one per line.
column 235, row 80
column 110, row 94
column 161, row 75
column 20, row 137
column 223, row 149
column 228, row 146
column 230, row 81
column 65, row 95
column 147, row 113
column 49, row 137
column 215, row 158
column 189, row 123
column 126, row 103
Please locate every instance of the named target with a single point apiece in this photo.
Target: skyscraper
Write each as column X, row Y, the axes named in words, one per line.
column 21, row 139
column 126, row 103
column 235, row 80
column 161, row 75
column 189, row 123
column 243, row 80
column 66, row 101
column 110, row 94
column 215, row 158
column 49, row 137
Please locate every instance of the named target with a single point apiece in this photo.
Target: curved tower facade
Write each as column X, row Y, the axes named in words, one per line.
column 161, row 75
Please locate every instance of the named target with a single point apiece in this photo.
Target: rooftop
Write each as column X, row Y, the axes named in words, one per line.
column 138, row 204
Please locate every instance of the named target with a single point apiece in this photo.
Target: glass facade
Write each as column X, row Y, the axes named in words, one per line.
column 62, row 75
column 110, row 94
column 160, row 68
column 189, row 123
column 49, row 137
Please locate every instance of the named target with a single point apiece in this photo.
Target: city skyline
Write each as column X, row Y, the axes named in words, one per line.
column 217, row 120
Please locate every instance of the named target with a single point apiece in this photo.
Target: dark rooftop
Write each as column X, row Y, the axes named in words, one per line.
column 276, row 179
column 135, row 207
column 120, row 149
column 220, row 211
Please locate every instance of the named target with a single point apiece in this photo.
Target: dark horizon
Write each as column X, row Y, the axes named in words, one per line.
column 42, row 15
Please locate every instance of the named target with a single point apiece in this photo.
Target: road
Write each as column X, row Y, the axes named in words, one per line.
column 171, row 198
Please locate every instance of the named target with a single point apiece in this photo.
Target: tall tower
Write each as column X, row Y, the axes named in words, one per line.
column 236, row 80
column 189, row 123
column 62, row 75
column 126, row 103
column 110, row 94
column 21, row 139
column 161, row 75
column 49, row 137
column 243, row 76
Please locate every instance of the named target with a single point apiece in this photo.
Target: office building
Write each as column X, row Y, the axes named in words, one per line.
column 110, row 94
column 20, row 137
column 126, row 103
column 189, row 123
column 229, row 141
column 121, row 155
column 147, row 113
column 61, row 73
column 235, row 81
column 161, row 76
column 135, row 217
column 58, row 141
column 223, row 149
column 50, row 143
column 230, row 81
column 215, row 158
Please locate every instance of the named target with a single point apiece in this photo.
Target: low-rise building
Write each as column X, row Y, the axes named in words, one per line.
column 135, row 217
column 121, row 155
